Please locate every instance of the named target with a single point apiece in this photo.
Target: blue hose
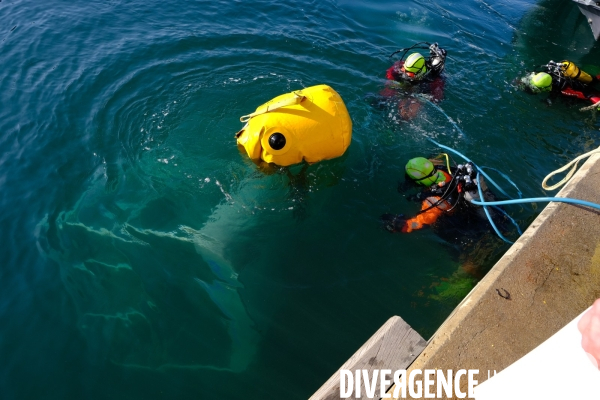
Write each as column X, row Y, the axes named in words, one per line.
column 512, row 201
column 510, row 218
column 507, row 179
column 487, row 213
column 520, row 201
column 467, row 160
column 537, row 199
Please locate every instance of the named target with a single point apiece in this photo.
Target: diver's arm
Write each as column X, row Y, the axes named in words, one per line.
column 594, row 98
column 581, row 94
column 573, row 93
column 427, row 216
column 393, row 73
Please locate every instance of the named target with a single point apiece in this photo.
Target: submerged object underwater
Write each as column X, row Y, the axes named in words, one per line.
column 309, row 125
column 149, row 297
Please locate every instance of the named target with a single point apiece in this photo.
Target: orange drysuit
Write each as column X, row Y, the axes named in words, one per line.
column 428, row 217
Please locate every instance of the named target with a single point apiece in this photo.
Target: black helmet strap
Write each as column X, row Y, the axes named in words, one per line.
column 433, row 172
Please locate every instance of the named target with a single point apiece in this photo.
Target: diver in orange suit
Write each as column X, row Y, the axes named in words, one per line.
column 432, row 208
column 463, row 227
column 448, row 193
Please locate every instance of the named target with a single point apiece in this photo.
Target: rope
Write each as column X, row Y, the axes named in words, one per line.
column 271, row 107
column 592, row 107
column 571, row 172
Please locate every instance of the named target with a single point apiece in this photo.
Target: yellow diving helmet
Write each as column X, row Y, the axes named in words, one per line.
column 540, row 82
column 415, row 66
column 311, row 124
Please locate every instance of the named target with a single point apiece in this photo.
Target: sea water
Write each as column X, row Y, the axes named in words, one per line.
column 145, row 257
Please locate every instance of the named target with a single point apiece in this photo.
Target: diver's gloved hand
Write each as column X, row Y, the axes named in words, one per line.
column 394, row 222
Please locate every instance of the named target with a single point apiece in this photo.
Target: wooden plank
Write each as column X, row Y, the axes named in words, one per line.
column 394, row 346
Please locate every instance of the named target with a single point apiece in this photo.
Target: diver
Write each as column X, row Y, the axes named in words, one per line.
column 415, row 68
column 416, row 74
column 465, row 232
column 562, row 79
column 447, row 191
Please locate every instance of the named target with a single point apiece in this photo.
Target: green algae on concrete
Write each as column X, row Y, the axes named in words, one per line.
column 453, row 289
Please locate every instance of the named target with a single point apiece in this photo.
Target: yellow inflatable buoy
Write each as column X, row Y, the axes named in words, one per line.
column 311, row 124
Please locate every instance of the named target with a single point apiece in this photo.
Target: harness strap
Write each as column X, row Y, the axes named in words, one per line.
column 433, row 172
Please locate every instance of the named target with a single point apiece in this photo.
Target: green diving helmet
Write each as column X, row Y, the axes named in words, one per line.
column 414, row 66
column 422, row 171
column 540, row 82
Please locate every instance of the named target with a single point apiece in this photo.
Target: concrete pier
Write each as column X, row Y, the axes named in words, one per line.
column 547, row 278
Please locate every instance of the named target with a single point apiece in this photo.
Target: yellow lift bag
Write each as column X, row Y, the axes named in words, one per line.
column 311, row 124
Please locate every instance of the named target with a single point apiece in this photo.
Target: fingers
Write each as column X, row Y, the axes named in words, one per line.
column 589, row 326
